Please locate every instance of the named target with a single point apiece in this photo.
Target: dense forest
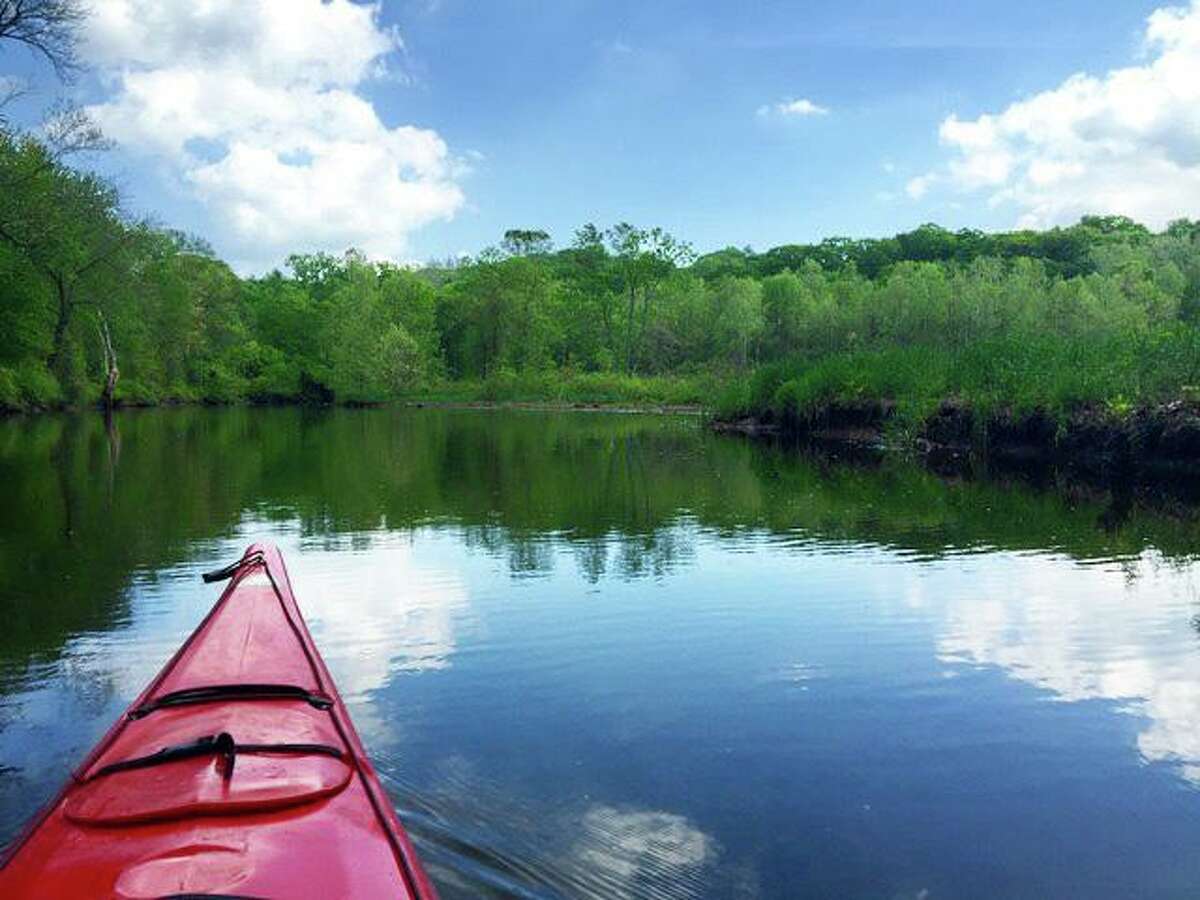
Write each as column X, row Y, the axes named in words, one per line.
column 95, row 306
column 99, row 307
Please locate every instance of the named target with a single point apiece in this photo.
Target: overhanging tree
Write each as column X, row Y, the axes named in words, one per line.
column 65, row 223
column 49, row 28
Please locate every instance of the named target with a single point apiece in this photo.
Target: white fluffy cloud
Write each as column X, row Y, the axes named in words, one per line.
column 1125, row 143
column 792, row 108
column 254, row 106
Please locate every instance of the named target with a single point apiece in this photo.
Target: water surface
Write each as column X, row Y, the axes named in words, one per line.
column 603, row 656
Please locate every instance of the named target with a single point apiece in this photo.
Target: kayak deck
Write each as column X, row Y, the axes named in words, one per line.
column 237, row 772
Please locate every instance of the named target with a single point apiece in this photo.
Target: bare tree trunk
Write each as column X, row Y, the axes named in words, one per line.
column 111, row 372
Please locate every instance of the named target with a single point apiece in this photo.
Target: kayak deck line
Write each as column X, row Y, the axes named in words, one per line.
column 227, row 572
column 222, row 745
column 156, row 811
column 222, row 692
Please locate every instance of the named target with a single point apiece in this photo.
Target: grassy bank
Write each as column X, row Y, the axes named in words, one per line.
column 585, row 388
column 549, row 388
column 1125, row 396
column 1019, row 375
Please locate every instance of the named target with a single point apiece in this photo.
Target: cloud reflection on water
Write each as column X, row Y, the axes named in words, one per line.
column 507, row 842
column 1108, row 632
column 380, row 611
column 645, row 853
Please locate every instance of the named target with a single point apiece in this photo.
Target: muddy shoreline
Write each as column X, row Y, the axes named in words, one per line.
column 1155, row 442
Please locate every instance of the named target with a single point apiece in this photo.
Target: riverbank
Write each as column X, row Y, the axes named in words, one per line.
column 1160, row 440
column 1116, row 405
column 506, row 390
column 666, row 409
column 576, row 390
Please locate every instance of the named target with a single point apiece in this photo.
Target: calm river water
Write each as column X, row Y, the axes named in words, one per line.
column 603, row 656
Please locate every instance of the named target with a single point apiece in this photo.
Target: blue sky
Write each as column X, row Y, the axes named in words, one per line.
column 537, row 114
column 647, row 112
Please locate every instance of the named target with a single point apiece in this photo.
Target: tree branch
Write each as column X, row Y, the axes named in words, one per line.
column 47, row 27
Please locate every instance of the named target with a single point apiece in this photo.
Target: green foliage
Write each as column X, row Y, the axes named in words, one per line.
column 1055, row 318
column 10, row 393
column 1115, row 372
column 38, row 386
column 578, row 388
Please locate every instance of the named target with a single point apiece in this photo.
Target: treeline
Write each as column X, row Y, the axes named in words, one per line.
column 998, row 335
column 1066, row 252
column 98, row 307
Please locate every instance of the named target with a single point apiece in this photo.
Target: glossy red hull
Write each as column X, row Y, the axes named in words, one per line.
column 236, row 773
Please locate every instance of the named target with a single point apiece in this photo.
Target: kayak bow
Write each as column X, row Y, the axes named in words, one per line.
column 237, row 773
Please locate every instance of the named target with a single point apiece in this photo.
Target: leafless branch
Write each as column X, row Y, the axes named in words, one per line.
column 68, row 130
column 47, row 27
column 10, row 90
column 111, row 372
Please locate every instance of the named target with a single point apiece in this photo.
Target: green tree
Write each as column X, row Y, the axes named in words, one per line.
column 526, row 242
column 643, row 259
column 67, row 226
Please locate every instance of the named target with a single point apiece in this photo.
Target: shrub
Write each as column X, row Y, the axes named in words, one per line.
column 37, row 386
column 10, row 392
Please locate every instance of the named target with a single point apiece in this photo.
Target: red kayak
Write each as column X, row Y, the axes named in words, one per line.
column 236, row 773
